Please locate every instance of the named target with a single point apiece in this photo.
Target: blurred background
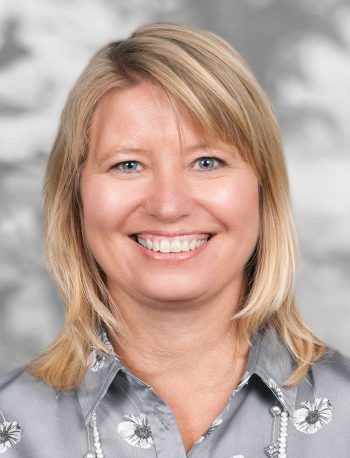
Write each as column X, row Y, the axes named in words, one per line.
column 300, row 52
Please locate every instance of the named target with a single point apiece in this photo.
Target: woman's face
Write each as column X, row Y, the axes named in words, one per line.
column 134, row 130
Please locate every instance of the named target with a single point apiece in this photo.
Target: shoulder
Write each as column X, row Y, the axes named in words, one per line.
column 33, row 411
column 333, row 369
column 19, row 383
column 331, row 380
column 22, row 394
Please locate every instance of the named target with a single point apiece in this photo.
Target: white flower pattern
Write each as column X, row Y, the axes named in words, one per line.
column 211, row 428
column 312, row 416
column 275, row 388
column 136, row 430
column 10, row 434
column 104, row 339
column 244, row 381
column 97, row 358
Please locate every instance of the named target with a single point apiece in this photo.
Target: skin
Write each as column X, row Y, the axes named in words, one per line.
column 177, row 317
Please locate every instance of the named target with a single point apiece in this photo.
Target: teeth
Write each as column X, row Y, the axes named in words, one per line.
column 176, row 246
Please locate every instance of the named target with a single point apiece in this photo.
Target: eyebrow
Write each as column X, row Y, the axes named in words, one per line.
column 123, row 150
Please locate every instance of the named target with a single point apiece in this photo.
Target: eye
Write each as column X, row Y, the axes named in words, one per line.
column 129, row 168
column 207, row 160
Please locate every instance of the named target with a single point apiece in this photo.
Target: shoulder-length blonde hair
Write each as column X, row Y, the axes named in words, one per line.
column 201, row 71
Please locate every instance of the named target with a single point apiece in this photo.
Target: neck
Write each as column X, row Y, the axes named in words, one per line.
column 187, row 353
column 195, row 342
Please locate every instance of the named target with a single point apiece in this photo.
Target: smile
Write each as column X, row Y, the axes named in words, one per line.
column 174, row 245
column 172, row 249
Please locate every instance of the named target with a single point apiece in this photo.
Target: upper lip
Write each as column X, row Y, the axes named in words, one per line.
column 172, row 234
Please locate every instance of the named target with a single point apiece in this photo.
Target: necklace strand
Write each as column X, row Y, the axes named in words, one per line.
column 98, row 452
column 279, row 447
column 282, row 439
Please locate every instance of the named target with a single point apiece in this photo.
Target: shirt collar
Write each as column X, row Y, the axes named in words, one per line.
column 268, row 358
column 100, row 373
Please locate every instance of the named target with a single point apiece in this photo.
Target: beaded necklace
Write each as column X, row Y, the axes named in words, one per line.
column 278, row 447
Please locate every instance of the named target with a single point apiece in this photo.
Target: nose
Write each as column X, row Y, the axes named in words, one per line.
column 169, row 195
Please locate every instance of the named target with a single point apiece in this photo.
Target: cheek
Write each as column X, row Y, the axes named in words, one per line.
column 237, row 205
column 103, row 207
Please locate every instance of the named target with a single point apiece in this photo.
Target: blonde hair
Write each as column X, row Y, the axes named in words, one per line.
column 201, row 71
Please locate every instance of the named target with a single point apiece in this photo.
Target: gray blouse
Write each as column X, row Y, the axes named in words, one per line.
column 115, row 414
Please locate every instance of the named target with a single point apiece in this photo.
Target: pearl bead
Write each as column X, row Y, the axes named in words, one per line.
column 90, row 455
column 275, row 410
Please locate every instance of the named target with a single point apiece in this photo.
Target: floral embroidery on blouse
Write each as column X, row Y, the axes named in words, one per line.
column 211, row 428
column 104, row 339
column 136, row 430
column 244, row 381
column 275, row 388
column 309, row 417
column 10, row 434
column 96, row 361
column 97, row 358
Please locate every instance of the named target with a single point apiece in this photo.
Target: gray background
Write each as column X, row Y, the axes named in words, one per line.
column 299, row 51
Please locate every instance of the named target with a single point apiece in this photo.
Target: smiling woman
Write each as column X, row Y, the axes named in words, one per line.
column 169, row 230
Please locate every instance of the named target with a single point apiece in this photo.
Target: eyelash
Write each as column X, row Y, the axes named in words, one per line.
column 126, row 172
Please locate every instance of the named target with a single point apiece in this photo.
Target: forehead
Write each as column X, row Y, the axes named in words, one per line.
column 142, row 113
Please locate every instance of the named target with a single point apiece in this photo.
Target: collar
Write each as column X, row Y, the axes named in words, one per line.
column 269, row 359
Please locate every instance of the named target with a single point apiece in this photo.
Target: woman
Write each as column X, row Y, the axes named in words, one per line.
column 168, row 228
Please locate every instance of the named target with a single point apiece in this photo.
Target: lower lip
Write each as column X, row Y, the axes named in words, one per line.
column 172, row 258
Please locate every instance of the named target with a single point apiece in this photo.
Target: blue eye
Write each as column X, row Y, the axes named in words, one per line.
column 205, row 160
column 128, row 169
